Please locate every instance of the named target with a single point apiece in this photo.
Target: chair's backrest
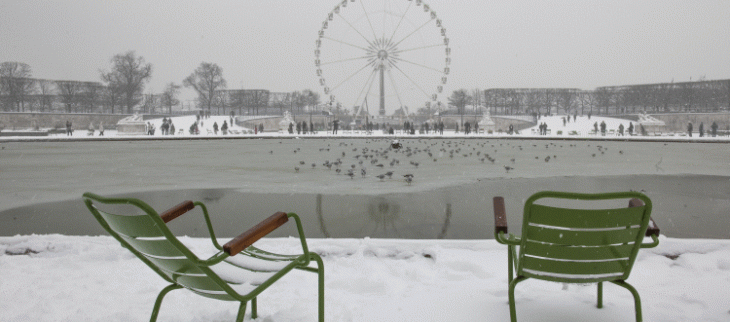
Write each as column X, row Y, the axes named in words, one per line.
column 147, row 236
column 581, row 245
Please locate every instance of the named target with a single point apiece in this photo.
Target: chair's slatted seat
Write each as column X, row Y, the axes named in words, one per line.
column 223, row 276
column 594, row 245
column 146, row 237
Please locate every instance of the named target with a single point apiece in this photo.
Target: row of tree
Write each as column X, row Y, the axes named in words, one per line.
column 122, row 86
column 691, row 97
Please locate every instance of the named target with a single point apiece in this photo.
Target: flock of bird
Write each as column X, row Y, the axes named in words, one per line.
column 348, row 157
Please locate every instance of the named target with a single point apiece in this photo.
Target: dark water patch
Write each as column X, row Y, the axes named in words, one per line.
column 689, row 206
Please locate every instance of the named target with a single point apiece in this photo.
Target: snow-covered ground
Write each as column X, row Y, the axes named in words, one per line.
column 581, row 127
column 64, row 278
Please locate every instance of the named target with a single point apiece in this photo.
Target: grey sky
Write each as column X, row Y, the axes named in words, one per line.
column 270, row 44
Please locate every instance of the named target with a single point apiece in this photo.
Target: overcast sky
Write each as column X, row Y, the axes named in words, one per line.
column 270, row 44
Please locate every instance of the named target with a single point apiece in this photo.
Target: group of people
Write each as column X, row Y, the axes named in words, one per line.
column 92, row 130
column 301, row 127
column 543, row 128
column 224, row 127
column 167, row 128
column 713, row 128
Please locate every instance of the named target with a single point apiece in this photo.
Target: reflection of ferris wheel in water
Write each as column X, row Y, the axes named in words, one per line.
column 388, row 54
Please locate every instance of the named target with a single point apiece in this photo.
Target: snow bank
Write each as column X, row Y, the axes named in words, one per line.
column 63, row 278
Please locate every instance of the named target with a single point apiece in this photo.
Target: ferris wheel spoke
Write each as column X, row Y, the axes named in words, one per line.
column 368, row 19
column 375, row 73
column 417, row 48
column 414, row 31
column 348, row 78
column 392, row 83
column 414, row 83
column 347, row 59
column 399, row 22
column 410, row 62
column 355, row 29
column 345, row 43
column 367, row 85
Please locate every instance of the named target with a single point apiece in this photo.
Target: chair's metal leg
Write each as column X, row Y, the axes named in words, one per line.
column 320, row 274
column 241, row 311
column 160, row 297
column 600, row 295
column 254, row 311
column 637, row 299
column 510, row 273
column 512, row 309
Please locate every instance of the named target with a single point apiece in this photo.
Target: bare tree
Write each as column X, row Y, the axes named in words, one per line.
column 603, row 99
column 221, row 100
column 280, row 100
column 237, row 99
column 299, row 100
column 15, row 84
column 566, row 99
column 46, row 95
column 129, row 74
column 312, row 98
column 587, row 99
column 206, row 79
column 514, row 100
column 112, row 96
column 151, row 102
column 90, row 95
column 169, row 96
column 69, row 91
column 477, row 100
column 460, row 99
column 532, row 101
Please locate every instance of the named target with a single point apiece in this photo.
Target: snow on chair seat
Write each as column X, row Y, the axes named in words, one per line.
column 223, row 276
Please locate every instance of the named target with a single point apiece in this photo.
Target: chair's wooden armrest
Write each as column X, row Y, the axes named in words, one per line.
column 176, row 211
column 653, row 228
column 236, row 245
column 500, row 216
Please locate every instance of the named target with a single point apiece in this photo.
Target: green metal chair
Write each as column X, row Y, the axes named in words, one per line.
column 224, row 277
column 577, row 245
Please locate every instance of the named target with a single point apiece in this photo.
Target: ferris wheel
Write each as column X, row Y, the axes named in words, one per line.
column 382, row 54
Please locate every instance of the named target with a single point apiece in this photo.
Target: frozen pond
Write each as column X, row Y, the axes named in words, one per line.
column 244, row 181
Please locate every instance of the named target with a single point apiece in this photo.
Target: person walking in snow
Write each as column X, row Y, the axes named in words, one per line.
column 702, row 129
column 714, row 129
column 603, row 128
column 621, row 129
column 631, row 128
column 215, row 128
column 689, row 129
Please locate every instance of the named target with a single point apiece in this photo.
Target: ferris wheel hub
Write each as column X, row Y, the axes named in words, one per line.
column 382, row 54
